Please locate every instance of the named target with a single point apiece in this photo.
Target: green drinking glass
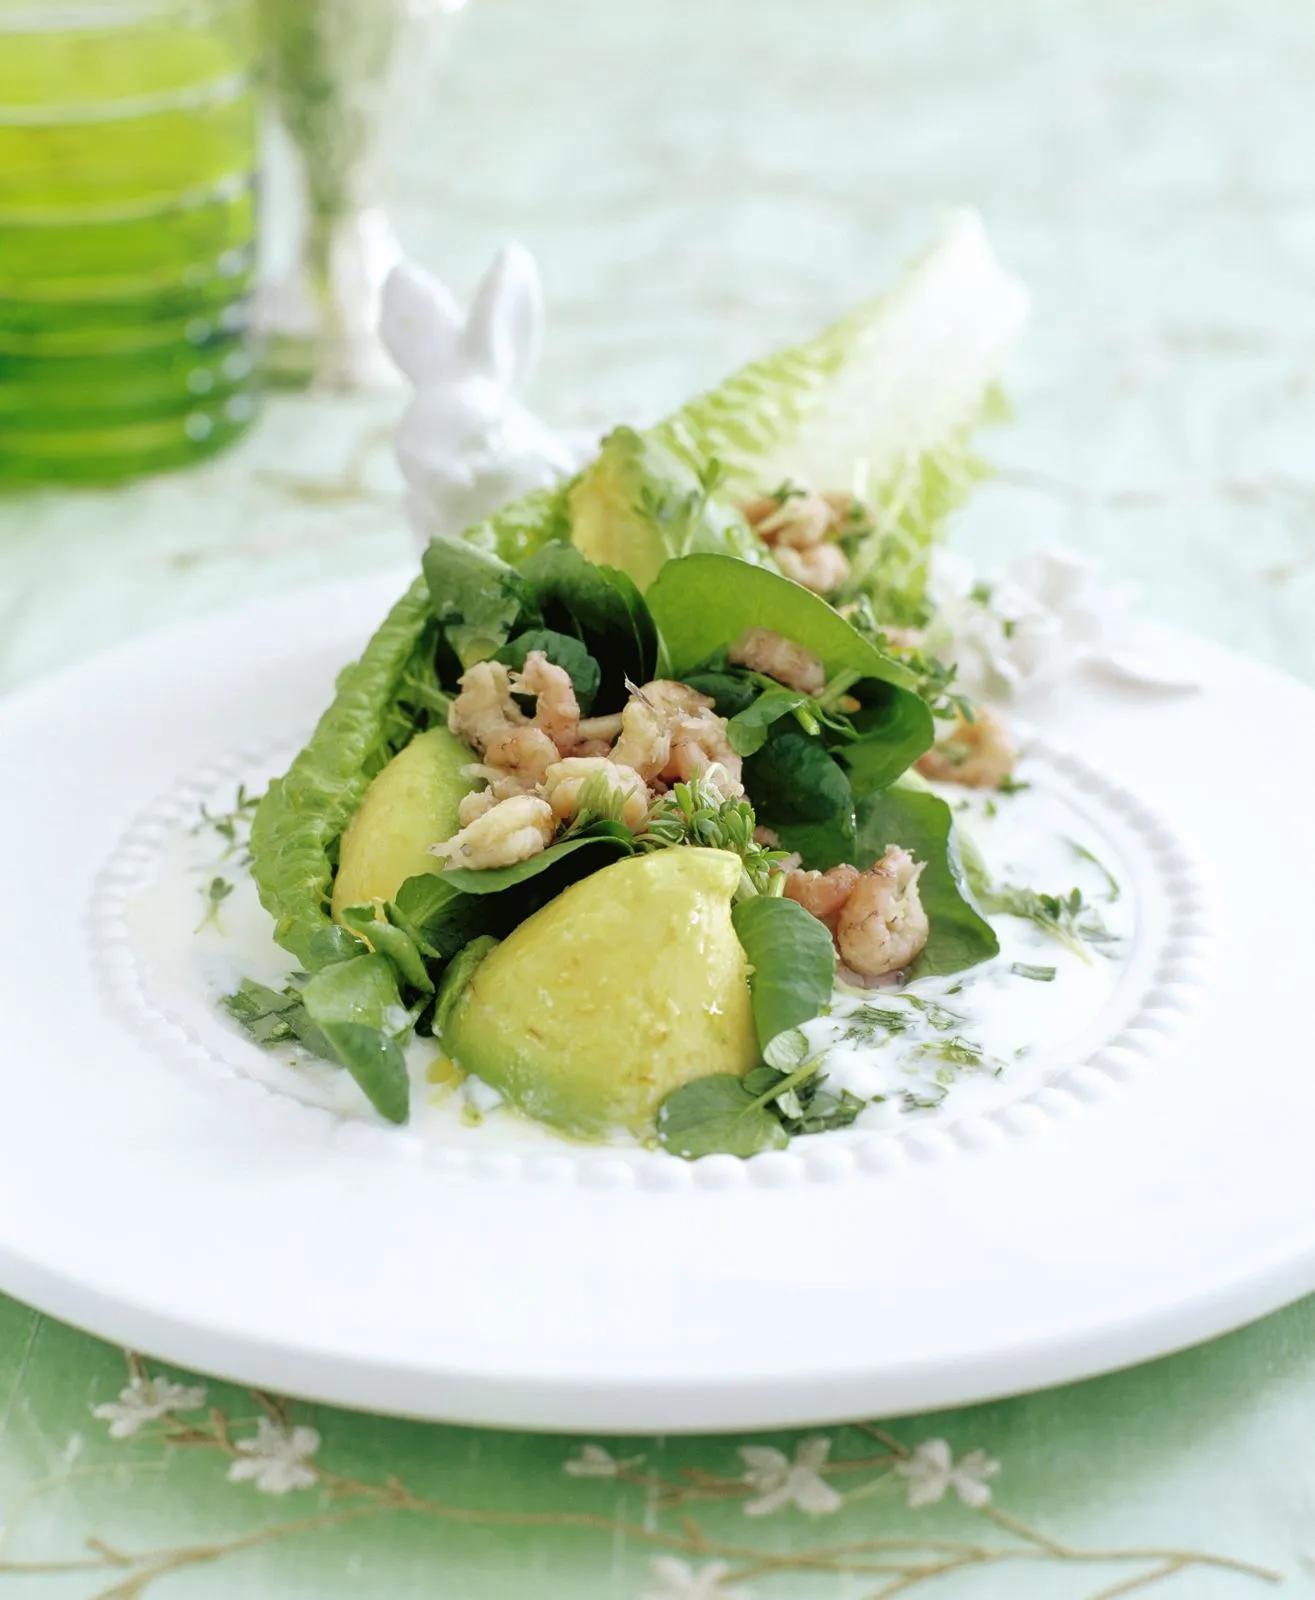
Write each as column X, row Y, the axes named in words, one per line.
column 127, row 249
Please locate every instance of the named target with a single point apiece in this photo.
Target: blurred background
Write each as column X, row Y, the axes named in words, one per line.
column 197, row 200
column 698, row 181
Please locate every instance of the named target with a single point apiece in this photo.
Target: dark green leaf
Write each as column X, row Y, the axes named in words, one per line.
column 393, row 942
column 563, row 650
column 355, row 1004
column 792, row 962
column 801, row 793
column 717, row 1115
column 600, row 607
column 893, row 730
column 449, row 909
column 475, row 596
column 378, row 1065
column 923, row 824
column 612, row 838
column 747, row 729
column 731, row 692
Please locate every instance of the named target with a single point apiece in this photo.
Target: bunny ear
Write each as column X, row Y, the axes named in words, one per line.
column 419, row 322
column 505, row 322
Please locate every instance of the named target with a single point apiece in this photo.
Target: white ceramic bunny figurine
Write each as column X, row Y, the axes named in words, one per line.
column 466, row 443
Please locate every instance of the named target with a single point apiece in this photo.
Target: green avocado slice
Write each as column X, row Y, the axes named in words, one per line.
column 629, row 984
column 410, row 805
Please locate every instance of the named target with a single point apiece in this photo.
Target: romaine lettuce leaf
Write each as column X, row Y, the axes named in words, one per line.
column 882, row 404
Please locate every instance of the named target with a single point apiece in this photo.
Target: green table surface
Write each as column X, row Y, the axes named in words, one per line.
column 699, row 180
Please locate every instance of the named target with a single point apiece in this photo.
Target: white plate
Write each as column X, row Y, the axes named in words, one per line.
column 159, row 1188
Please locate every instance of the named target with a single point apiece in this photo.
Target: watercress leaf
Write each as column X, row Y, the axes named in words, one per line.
column 731, row 692
column 438, row 913
column 717, row 1115
column 451, row 908
column 703, row 603
column 607, row 839
column 803, row 794
column 356, row 1006
column 378, row 1065
column 793, row 964
column 762, row 1082
column 893, row 731
column 923, row 824
column 459, row 972
column 600, row 607
column 390, row 941
column 747, row 729
column 786, row 1051
column 475, row 597
column 563, row 650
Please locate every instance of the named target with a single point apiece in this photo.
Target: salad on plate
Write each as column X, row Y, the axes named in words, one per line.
column 647, row 813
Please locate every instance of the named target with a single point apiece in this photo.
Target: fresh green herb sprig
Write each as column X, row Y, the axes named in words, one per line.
column 230, row 825
column 1112, row 887
column 215, row 893
column 697, row 813
column 1066, row 918
column 935, row 678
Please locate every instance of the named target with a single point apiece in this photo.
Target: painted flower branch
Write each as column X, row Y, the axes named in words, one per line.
column 278, row 1456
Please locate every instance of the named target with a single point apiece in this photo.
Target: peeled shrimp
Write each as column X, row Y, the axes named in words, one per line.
column 777, row 657
column 882, row 925
column 484, row 709
column 979, row 753
column 509, row 831
column 822, row 568
column 556, row 710
column 486, row 715
column 801, row 519
column 565, row 781
column 822, row 893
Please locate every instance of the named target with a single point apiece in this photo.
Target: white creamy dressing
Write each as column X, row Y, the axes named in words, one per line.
column 1010, row 1030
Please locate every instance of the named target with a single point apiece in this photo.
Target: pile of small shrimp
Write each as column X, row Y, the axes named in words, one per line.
column 800, row 527
column 539, row 767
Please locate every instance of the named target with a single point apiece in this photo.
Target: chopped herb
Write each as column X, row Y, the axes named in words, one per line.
column 787, row 489
column 1113, row 891
column 938, row 1016
column 215, row 892
column 864, row 1025
column 928, row 1099
column 980, row 593
column 274, row 1016
column 957, row 1052
column 1065, row 918
column 990, row 809
column 1022, row 969
column 227, row 824
column 1010, row 785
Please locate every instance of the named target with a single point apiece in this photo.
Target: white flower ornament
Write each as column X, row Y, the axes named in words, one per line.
column 467, row 444
column 595, row 1462
column 275, row 1460
column 146, row 1400
column 782, row 1482
column 681, row 1581
column 931, row 1472
column 1041, row 618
